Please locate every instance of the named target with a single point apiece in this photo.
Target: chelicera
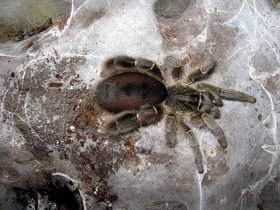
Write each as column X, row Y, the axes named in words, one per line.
column 136, row 91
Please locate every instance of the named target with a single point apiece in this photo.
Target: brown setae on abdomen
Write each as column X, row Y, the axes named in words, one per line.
column 129, row 91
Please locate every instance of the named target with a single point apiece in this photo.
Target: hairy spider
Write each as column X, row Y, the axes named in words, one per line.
column 135, row 90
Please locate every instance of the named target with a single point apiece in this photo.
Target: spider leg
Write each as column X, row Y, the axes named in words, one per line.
column 148, row 66
column 201, row 70
column 215, row 129
column 162, row 204
column 215, row 112
column 198, row 159
column 121, row 123
column 237, row 96
column 116, row 65
column 123, row 63
column 227, row 94
column 171, row 131
column 215, row 97
column 128, row 121
column 174, row 65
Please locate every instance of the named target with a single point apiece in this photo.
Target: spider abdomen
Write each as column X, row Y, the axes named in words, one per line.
column 129, row 91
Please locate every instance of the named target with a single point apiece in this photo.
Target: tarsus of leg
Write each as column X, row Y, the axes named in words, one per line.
column 227, row 94
column 215, row 129
column 171, row 131
column 198, row 158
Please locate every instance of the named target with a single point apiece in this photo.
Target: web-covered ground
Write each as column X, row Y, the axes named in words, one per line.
column 49, row 123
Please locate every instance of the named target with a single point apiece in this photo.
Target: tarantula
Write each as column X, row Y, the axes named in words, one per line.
column 134, row 90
